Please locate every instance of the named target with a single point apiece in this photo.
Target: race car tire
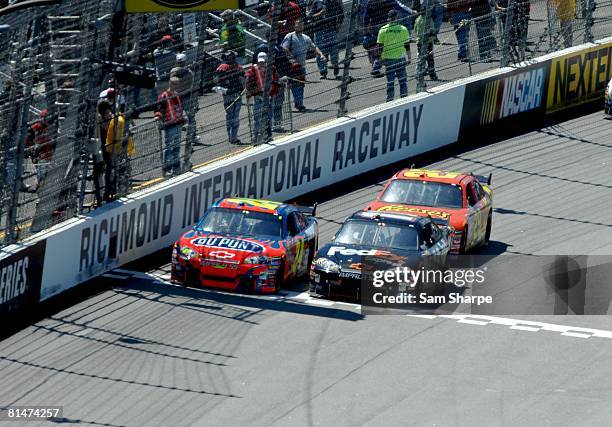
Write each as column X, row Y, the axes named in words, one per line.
column 488, row 232
column 279, row 282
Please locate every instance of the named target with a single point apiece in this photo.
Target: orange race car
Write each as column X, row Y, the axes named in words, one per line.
column 462, row 201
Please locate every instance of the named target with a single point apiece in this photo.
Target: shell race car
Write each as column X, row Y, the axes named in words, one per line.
column 462, row 201
column 247, row 245
column 608, row 99
column 365, row 236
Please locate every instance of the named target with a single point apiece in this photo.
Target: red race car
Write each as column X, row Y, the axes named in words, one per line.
column 247, row 245
column 462, row 201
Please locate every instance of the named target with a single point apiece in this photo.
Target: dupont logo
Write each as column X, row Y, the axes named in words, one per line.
column 221, row 254
column 180, row 4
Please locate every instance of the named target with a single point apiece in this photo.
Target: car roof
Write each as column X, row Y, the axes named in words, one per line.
column 431, row 175
column 253, row 205
column 391, row 217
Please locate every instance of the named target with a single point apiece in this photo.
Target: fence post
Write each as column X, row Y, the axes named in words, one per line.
column 348, row 56
column 588, row 21
column 272, row 39
column 506, row 35
column 422, row 48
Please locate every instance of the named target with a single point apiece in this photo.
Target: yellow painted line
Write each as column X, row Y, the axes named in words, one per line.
column 147, row 183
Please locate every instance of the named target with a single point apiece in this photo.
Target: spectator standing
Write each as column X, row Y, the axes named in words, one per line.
column 290, row 13
column 517, row 33
column 565, row 12
column 255, row 83
column 424, row 29
column 40, row 147
column 296, row 46
column 170, row 113
column 437, row 15
column 394, row 42
column 327, row 16
column 230, row 79
column 374, row 14
column 232, row 36
column 102, row 160
column 164, row 57
column 283, row 68
column 183, row 78
column 483, row 18
column 114, row 147
column 459, row 11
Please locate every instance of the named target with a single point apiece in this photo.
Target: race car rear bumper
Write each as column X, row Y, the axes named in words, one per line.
column 328, row 285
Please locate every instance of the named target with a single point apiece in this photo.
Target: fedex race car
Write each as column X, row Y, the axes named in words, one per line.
column 247, row 245
column 608, row 99
column 462, row 201
column 401, row 239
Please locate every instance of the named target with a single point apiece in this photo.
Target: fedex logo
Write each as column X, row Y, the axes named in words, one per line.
column 361, row 252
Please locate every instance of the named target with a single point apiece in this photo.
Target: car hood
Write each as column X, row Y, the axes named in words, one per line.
column 353, row 256
column 454, row 217
column 230, row 247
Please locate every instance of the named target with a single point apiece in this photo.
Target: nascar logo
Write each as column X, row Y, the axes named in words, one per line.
column 228, row 243
column 404, row 209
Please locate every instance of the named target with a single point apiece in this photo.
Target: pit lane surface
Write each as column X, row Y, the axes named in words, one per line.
column 147, row 353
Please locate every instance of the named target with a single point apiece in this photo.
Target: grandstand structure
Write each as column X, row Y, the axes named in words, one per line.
column 57, row 57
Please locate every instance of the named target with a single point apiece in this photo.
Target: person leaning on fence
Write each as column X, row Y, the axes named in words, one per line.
column 296, row 46
column 283, row 68
column 327, row 17
column 230, row 80
column 183, row 78
column 481, row 13
column 425, row 32
column 118, row 143
column 39, row 147
column 517, row 33
column 394, row 42
column 255, row 83
column 232, row 36
column 170, row 114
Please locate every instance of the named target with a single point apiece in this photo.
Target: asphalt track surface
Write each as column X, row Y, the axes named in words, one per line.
column 144, row 352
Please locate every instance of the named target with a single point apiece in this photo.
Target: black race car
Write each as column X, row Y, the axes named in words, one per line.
column 367, row 236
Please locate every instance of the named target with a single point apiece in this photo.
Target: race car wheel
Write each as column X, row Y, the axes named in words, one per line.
column 278, row 283
column 488, row 232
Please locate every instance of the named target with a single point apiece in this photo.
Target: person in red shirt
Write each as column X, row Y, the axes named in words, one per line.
column 39, row 146
column 172, row 118
column 290, row 12
column 255, row 83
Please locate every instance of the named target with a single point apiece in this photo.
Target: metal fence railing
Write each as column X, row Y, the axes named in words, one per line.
column 96, row 104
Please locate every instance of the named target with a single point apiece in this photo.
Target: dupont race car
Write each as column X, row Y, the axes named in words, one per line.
column 462, row 201
column 368, row 236
column 247, row 245
column 608, row 99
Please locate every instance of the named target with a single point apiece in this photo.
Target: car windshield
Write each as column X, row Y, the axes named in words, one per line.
column 241, row 222
column 423, row 193
column 380, row 234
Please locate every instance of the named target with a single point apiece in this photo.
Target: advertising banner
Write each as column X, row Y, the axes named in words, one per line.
column 20, row 279
column 505, row 98
column 130, row 229
column 140, row 6
column 579, row 77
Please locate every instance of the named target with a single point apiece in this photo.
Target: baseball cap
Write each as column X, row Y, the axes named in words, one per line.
column 181, row 57
column 262, row 57
column 167, row 37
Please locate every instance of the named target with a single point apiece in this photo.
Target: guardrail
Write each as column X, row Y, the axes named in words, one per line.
column 142, row 223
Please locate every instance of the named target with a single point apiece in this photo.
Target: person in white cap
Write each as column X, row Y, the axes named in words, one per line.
column 182, row 77
column 255, row 83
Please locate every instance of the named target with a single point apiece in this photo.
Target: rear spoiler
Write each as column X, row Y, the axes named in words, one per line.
column 484, row 179
column 308, row 210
